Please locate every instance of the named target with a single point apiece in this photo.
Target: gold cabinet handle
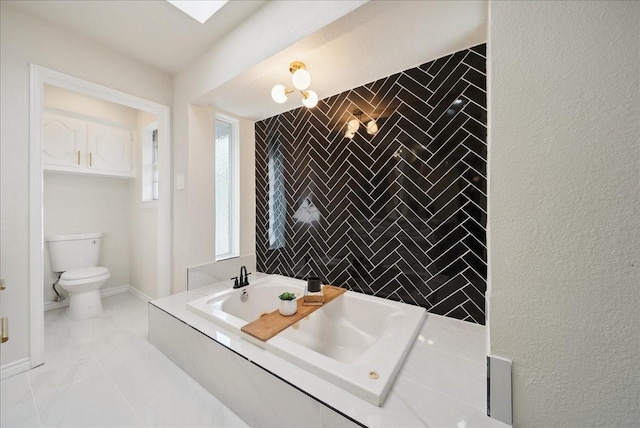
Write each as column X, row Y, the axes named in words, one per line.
column 5, row 330
column 2, row 287
column 78, row 157
column 90, row 159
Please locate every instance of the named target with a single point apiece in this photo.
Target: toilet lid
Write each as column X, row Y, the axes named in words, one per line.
column 84, row 273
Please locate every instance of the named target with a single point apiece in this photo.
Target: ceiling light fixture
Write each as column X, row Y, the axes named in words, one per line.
column 354, row 124
column 301, row 80
column 200, row 10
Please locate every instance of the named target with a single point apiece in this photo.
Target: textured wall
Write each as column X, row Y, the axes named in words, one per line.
column 400, row 214
column 564, row 216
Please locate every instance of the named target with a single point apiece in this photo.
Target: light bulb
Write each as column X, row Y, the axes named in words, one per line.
column 372, row 127
column 310, row 100
column 301, row 79
column 349, row 134
column 353, row 125
column 279, row 94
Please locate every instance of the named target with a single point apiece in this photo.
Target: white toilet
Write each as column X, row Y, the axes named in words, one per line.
column 77, row 256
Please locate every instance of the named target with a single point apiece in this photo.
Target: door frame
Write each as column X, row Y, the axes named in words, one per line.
column 39, row 76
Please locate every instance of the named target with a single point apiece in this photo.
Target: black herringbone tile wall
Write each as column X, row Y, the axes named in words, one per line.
column 400, row 214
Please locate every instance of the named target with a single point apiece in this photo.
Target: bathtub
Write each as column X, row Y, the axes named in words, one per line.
column 357, row 342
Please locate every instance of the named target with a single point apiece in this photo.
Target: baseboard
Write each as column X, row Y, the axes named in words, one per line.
column 14, row 368
column 139, row 294
column 50, row 306
column 115, row 290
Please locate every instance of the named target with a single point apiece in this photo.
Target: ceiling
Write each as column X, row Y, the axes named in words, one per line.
column 375, row 40
column 165, row 38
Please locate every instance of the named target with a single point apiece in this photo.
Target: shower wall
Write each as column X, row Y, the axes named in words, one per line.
column 399, row 208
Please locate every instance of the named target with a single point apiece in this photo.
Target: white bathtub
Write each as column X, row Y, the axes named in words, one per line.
column 356, row 342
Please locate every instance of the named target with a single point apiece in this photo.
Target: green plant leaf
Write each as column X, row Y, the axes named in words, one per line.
column 287, row 296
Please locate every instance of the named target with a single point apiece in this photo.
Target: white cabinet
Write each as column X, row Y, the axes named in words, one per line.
column 88, row 147
column 110, row 149
column 64, row 141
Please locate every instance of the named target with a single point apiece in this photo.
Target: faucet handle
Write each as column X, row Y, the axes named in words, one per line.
column 246, row 280
column 235, row 282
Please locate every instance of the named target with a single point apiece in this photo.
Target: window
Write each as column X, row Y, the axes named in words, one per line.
column 277, row 201
column 226, row 155
column 150, row 163
column 154, row 165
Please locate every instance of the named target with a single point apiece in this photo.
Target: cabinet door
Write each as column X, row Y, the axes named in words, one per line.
column 63, row 141
column 110, row 148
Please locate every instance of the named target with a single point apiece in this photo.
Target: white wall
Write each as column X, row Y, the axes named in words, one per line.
column 74, row 102
column 201, row 189
column 84, row 203
column 257, row 39
column 247, row 188
column 81, row 203
column 75, row 203
column 24, row 40
column 144, row 226
column 564, row 162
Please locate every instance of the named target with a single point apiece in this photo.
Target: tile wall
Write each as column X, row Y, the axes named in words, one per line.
column 398, row 208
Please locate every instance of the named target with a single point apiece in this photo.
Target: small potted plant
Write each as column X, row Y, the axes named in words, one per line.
column 288, row 304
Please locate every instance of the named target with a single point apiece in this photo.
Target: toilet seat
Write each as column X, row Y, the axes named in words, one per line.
column 84, row 278
column 84, row 273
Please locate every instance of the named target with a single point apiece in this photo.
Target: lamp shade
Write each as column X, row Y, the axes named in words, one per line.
column 279, row 94
column 353, row 125
column 372, row 127
column 311, row 100
column 301, row 79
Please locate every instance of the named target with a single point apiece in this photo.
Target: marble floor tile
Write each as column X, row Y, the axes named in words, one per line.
column 14, row 390
column 21, row 415
column 104, row 372
column 90, row 401
column 49, row 378
column 188, row 405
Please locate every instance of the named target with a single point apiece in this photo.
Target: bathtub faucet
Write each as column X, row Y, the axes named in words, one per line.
column 244, row 281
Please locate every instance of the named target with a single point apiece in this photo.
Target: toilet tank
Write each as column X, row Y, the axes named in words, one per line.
column 74, row 251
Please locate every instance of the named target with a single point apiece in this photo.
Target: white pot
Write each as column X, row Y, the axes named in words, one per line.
column 288, row 307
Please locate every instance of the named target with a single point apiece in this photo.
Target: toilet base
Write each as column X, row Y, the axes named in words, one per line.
column 83, row 306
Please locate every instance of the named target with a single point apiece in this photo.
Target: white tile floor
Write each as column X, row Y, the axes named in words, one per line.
column 104, row 373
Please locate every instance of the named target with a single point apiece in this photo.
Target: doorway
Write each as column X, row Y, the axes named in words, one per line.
column 40, row 77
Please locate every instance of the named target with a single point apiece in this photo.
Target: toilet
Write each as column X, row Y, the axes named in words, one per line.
column 76, row 256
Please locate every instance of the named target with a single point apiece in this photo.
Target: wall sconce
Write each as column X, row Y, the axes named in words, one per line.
column 301, row 80
column 354, row 124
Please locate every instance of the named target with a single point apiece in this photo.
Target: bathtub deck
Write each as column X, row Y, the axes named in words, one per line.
column 269, row 325
column 441, row 383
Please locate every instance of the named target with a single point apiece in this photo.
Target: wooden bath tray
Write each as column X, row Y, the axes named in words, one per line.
column 267, row 326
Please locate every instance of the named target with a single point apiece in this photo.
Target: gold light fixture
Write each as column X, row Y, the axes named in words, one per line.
column 354, row 124
column 301, row 80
